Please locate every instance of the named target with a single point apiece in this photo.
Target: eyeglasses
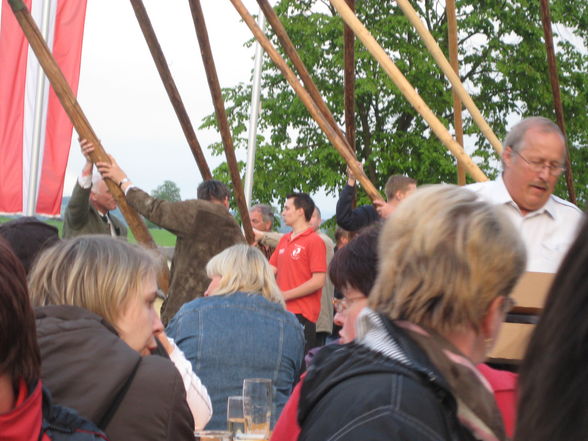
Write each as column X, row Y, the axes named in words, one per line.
column 538, row 166
column 341, row 305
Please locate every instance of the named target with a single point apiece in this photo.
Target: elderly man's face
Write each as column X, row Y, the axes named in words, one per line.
column 257, row 221
column 531, row 189
column 102, row 199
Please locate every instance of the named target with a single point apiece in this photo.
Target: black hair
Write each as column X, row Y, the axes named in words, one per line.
column 304, row 201
column 212, row 190
column 356, row 264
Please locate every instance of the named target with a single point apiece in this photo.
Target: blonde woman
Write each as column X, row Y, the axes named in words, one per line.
column 447, row 265
column 240, row 330
column 95, row 318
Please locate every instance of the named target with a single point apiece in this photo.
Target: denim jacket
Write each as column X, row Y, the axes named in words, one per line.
column 228, row 338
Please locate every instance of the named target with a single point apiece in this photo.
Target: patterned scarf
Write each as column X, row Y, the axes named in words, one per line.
column 476, row 406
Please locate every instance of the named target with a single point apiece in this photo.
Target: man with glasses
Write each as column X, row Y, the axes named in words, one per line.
column 532, row 161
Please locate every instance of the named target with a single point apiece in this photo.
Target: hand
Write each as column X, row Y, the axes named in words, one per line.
column 87, row 148
column 350, row 176
column 164, row 342
column 111, row 170
column 383, row 208
column 258, row 236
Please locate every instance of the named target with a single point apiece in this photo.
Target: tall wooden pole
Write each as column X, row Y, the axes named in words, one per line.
column 170, row 87
column 332, row 134
column 349, row 79
column 81, row 124
column 453, row 58
column 221, row 115
column 292, row 53
column 439, row 57
column 555, row 89
column 407, row 90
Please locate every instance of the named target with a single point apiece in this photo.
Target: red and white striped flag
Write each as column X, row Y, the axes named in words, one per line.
column 20, row 100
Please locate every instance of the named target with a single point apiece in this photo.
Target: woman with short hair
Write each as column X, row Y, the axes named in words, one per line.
column 240, row 330
column 95, row 319
column 448, row 263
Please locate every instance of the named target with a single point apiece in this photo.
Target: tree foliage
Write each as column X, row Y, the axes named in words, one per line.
column 503, row 65
column 168, row 191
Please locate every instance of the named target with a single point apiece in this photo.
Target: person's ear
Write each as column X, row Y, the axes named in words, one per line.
column 507, row 155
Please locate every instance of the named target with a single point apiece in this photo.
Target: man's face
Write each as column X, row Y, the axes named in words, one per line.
column 291, row 214
column 531, row 189
column 257, row 221
column 101, row 198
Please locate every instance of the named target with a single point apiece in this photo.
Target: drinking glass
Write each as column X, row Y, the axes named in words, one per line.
column 235, row 418
column 257, row 405
column 212, row 435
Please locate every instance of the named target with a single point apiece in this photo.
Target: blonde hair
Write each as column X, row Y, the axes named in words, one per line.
column 444, row 256
column 98, row 273
column 244, row 268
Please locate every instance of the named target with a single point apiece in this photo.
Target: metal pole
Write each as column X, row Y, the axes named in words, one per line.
column 254, row 114
column 39, row 115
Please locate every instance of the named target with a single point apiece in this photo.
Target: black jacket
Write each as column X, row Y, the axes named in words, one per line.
column 352, row 393
column 353, row 219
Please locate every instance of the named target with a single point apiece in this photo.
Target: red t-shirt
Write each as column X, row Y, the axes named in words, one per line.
column 296, row 260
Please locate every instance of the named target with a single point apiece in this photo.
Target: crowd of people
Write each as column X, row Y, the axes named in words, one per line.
column 382, row 334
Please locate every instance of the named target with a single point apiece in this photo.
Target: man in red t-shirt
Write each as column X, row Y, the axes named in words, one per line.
column 300, row 264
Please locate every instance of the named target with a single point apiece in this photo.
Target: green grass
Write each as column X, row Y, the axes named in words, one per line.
column 161, row 237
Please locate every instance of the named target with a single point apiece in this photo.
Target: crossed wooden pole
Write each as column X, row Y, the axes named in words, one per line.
column 82, row 126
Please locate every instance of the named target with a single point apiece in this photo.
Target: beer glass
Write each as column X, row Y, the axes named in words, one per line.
column 257, row 405
column 235, row 418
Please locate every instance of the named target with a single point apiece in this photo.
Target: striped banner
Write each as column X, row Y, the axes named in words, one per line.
column 31, row 179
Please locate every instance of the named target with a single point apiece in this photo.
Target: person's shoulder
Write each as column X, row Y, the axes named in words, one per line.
column 566, row 206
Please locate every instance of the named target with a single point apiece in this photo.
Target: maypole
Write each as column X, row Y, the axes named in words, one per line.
column 555, row 89
column 82, row 125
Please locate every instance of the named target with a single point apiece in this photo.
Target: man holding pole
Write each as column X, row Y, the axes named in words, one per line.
column 398, row 187
column 88, row 210
column 532, row 161
column 204, row 227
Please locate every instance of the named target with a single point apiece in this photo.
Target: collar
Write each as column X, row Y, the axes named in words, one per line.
column 23, row 423
column 501, row 196
column 306, row 232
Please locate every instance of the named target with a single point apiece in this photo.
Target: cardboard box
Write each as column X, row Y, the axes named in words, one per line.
column 512, row 343
column 531, row 291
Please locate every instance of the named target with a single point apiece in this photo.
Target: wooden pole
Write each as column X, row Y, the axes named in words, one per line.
column 292, row 53
column 333, row 135
column 555, row 89
column 221, row 115
column 349, row 79
column 407, row 90
column 81, row 124
column 453, row 58
column 439, row 57
column 170, row 87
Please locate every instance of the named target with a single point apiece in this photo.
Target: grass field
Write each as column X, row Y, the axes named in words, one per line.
column 161, row 237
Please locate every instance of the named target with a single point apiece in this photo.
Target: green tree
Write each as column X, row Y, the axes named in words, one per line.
column 503, row 65
column 168, row 191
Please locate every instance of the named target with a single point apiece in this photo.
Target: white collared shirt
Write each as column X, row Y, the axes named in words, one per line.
column 547, row 232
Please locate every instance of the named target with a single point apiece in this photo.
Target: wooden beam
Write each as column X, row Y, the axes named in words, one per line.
column 349, row 79
column 82, row 125
column 555, row 89
column 170, row 87
column 221, row 115
column 453, row 58
column 407, row 90
column 292, row 53
column 439, row 57
column 332, row 134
